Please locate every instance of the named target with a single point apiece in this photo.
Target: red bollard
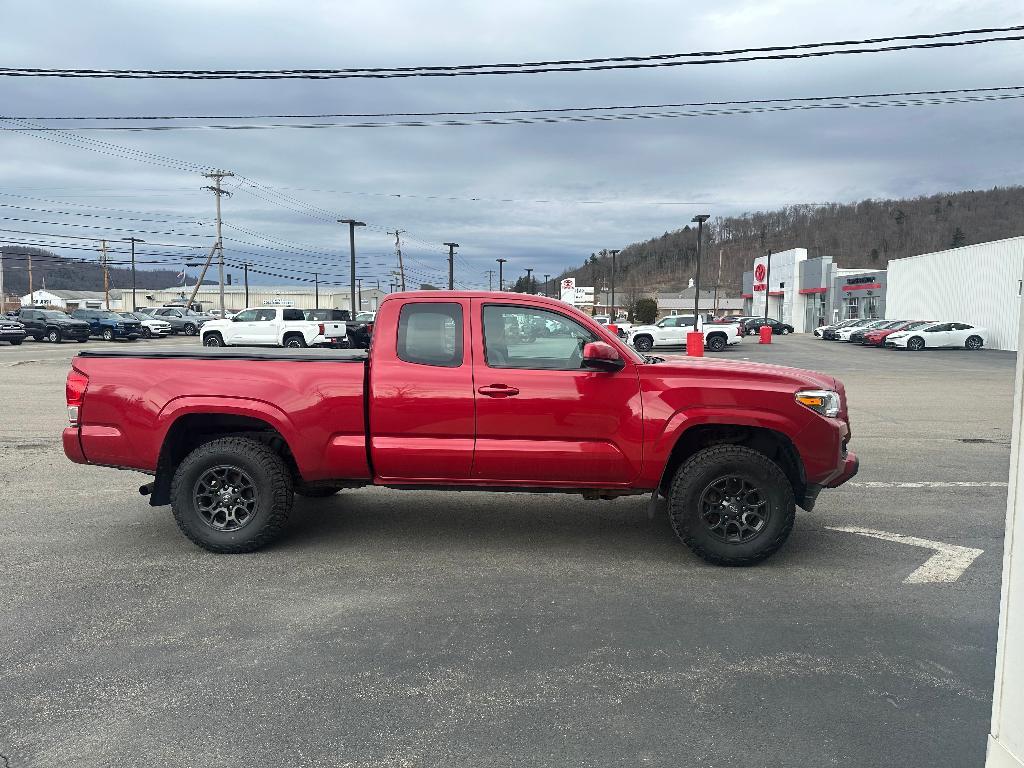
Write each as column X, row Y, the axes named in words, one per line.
column 695, row 344
column 766, row 335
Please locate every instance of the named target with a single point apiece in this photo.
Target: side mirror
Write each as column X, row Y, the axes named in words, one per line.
column 602, row 356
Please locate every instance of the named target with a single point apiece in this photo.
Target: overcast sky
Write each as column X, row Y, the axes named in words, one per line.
column 724, row 165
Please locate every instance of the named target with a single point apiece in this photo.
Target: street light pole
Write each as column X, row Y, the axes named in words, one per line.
column 451, row 265
column 501, row 273
column 133, row 241
column 700, row 219
column 614, row 314
column 546, row 280
column 352, row 224
column 529, row 280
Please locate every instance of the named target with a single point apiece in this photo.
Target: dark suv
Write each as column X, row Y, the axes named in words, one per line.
column 109, row 325
column 53, row 325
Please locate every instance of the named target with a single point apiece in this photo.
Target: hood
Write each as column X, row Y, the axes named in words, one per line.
column 799, row 378
column 635, row 328
column 69, row 321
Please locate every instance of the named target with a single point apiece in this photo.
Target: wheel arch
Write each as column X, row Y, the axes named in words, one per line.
column 191, row 428
column 772, row 443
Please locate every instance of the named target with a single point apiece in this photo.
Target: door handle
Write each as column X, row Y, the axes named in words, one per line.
column 498, row 390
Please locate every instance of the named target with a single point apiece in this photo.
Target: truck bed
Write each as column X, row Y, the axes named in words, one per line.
column 318, row 354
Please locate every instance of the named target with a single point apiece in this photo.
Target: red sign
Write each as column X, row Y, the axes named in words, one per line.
column 760, row 286
column 759, row 272
column 862, row 287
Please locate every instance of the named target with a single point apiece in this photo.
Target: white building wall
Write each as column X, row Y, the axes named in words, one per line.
column 784, row 276
column 977, row 284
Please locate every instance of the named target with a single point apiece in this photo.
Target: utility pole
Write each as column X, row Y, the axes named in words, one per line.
column 31, row 293
column 352, row 224
column 106, row 275
column 529, row 280
column 490, row 279
column 218, row 192
column 245, row 277
column 613, row 313
column 3, row 306
column 451, row 265
column 547, row 285
column 501, row 273
column 700, row 219
column 133, row 241
column 316, row 290
column 398, row 252
column 391, row 287
column 718, row 282
column 359, row 306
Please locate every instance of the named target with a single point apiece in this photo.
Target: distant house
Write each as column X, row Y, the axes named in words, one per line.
column 72, row 300
column 681, row 303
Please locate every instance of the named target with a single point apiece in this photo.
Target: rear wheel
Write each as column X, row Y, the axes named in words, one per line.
column 191, row 329
column 916, row 344
column 295, row 341
column 731, row 505
column 53, row 336
column 232, row 495
column 643, row 343
column 108, row 335
column 146, row 333
column 717, row 342
column 974, row 342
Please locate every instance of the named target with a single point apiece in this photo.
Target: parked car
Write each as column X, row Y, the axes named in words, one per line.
column 821, row 330
column 53, row 325
column 877, row 337
column 152, row 327
column 273, row 327
column 182, row 319
column 938, row 335
column 12, row 331
column 831, row 333
column 109, row 325
column 357, row 333
column 671, row 331
column 752, row 327
column 229, row 436
column 857, row 337
column 846, row 334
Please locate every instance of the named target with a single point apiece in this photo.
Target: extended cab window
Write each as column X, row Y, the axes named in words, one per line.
column 431, row 334
column 518, row 337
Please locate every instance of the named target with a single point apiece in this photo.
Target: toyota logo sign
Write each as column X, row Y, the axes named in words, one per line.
column 759, row 272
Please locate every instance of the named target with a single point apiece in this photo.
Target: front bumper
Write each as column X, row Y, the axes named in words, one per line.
column 77, row 332
column 851, row 465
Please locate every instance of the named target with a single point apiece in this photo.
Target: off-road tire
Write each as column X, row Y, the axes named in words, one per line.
column 710, row 464
column 272, row 481
column 53, row 336
column 213, row 339
column 717, row 342
column 295, row 341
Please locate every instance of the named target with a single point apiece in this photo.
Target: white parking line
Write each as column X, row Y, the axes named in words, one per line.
column 930, row 484
column 947, row 564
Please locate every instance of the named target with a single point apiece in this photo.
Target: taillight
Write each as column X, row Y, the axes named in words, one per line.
column 74, row 392
column 369, row 327
column 321, row 328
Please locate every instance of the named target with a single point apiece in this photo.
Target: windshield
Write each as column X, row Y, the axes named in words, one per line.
column 130, row 316
column 108, row 316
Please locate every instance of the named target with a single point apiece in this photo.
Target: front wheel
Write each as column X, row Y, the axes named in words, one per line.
column 785, row 331
column 146, row 333
column 643, row 343
column 16, row 342
column 732, row 505
column 213, row 340
column 232, row 495
column 975, row 342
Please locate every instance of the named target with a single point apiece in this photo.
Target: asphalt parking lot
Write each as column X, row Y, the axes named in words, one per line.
column 466, row 629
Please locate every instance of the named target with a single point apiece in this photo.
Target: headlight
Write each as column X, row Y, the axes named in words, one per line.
column 824, row 401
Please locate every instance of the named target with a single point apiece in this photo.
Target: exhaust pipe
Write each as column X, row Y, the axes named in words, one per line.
column 147, row 489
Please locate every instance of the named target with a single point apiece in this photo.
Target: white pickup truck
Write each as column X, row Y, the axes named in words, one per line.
column 671, row 332
column 273, row 327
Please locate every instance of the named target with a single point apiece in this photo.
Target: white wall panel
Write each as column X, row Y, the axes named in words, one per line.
column 976, row 284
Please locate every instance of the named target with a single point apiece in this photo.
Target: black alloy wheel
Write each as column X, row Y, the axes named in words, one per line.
column 225, row 497
column 213, row 340
column 146, row 333
column 916, row 344
column 717, row 343
column 191, row 329
column 643, row 343
column 734, row 510
column 974, row 342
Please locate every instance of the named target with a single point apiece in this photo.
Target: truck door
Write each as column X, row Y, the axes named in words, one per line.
column 421, row 393
column 540, row 416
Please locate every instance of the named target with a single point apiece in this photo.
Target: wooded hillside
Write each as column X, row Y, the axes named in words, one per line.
column 865, row 234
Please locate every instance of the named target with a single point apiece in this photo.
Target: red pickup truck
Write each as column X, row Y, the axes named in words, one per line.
column 454, row 394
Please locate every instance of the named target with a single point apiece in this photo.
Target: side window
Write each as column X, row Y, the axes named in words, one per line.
column 246, row 316
column 962, row 327
column 937, row 328
column 265, row 315
column 537, row 339
column 431, row 334
column 293, row 314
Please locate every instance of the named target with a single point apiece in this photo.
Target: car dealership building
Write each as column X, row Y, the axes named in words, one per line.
column 807, row 292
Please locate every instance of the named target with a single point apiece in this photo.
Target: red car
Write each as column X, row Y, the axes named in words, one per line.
column 876, row 338
column 453, row 396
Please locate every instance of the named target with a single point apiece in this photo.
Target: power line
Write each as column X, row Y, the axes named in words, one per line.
column 574, row 117
column 775, row 52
